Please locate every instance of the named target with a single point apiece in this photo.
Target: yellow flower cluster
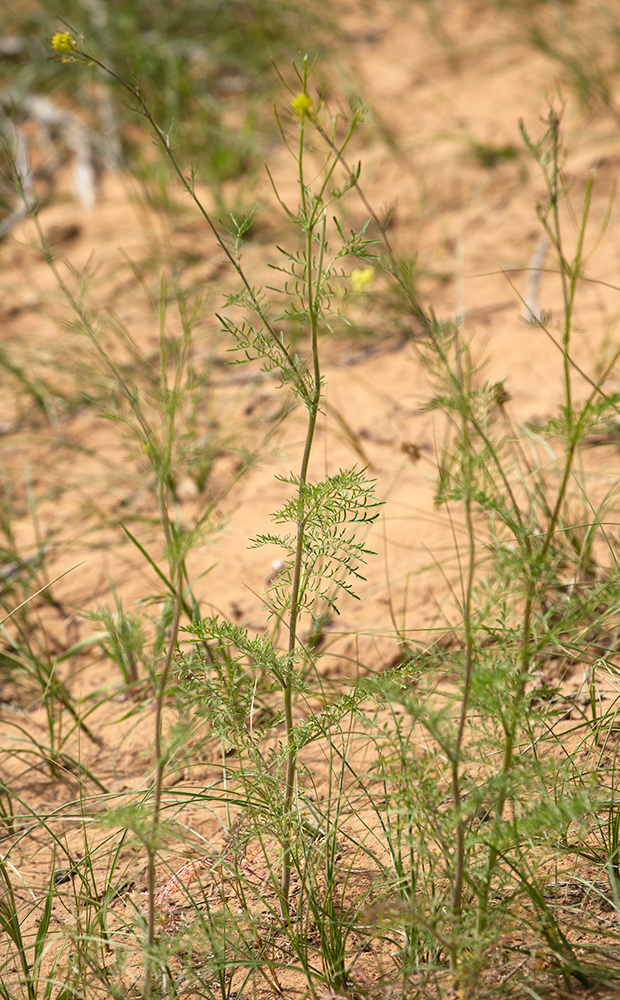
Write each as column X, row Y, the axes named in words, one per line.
column 361, row 278
column 302, row 105
column 63, row 42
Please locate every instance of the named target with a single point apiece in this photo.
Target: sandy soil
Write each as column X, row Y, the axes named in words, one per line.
column 443, row 101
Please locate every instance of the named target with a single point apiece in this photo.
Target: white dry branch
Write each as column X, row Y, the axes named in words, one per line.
column 531, row 307
column 56, row 129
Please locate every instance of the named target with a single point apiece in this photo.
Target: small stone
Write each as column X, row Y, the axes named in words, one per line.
column 186, row 490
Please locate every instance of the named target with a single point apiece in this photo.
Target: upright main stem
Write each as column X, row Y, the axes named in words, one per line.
column 312, row 403
column 459, row 865
column 459, row 859
column 572, row 272
column 524, row 670
column 159, row 782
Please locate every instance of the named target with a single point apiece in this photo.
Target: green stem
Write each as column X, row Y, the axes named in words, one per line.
column 312, row 401
column 143, row 109
column 428, row 323
column 459, row 856
column 313, row 409
column 511, row 733
column 574, row 434
column 554, row 194
column 161, row 761
column 459, row 861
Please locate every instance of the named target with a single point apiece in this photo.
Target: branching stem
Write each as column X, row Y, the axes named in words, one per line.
column 313, row 408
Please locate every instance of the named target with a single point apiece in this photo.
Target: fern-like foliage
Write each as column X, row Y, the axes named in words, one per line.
column 331, row 554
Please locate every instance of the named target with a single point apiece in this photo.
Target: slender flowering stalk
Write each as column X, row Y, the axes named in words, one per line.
column 321, row 551
column 64, row 42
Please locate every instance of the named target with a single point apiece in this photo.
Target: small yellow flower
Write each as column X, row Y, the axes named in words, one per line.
column 302, row 105
column 64, row 42
column 361, row 278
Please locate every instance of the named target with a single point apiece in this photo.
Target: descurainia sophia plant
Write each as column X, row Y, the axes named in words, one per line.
column 322, row 555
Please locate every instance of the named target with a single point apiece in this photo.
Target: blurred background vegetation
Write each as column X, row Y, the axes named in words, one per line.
column 205, row 64
column 206, row 67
